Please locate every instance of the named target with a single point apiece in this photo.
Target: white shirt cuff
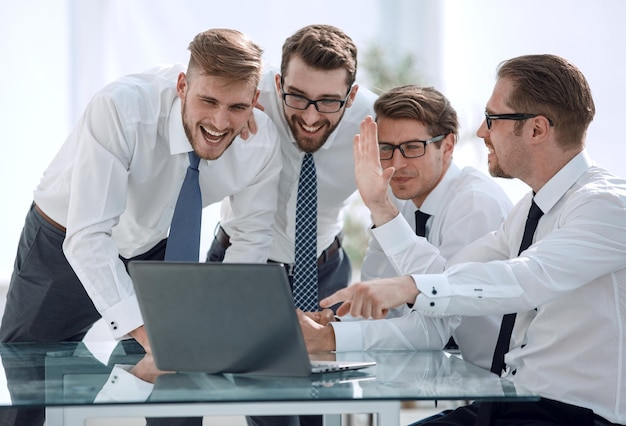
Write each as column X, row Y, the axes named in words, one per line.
column 348, row 336
column 122, row 386
column 123, row 317
column 433, row 299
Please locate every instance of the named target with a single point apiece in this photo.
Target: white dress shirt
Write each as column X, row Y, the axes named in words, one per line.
column 115, row 182
column 334, row 163
column 464, row 206
column 568, row 289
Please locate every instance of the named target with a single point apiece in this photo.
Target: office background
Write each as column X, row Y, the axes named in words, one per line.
column 56, row 54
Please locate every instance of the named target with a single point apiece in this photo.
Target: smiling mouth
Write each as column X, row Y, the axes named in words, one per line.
column 212, row 136
column 309, row 129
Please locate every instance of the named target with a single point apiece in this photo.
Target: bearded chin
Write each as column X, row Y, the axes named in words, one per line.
column 497, row 172
column 306, row 143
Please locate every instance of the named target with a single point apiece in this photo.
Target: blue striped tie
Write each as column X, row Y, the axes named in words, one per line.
column 305, row 265
column 183, row 243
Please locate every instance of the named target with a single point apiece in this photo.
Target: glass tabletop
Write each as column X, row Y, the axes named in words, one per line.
column 63, row 374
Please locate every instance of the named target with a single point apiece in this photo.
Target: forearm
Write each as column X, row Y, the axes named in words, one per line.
column 413, row 331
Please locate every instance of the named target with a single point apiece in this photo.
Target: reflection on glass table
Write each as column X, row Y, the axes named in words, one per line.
column 78, row 378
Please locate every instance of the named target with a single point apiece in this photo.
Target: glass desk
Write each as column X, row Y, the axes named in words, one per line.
column 73, row 382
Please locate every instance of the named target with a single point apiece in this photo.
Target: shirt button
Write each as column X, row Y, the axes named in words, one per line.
column 434, row 291
column 113, row 325
column 432, row 304
column 514, row 372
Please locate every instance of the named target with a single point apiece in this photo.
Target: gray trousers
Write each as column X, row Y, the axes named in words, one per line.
column 46, row 302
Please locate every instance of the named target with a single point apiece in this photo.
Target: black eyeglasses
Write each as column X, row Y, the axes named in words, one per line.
column 326, row 106
column 518, row 116
column 409, row 149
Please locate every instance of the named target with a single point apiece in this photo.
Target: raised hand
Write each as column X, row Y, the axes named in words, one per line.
column 371, row 179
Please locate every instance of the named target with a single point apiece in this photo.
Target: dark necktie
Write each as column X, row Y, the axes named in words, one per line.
column 183, row 242
column 508, row 320
column 305, row 292
column 420, row 223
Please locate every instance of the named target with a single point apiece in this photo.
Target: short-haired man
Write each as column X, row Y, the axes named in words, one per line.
column 109, row 194
column 317, row 108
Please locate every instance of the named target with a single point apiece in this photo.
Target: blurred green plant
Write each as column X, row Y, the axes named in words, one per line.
column 356, row 221
column 384, row 68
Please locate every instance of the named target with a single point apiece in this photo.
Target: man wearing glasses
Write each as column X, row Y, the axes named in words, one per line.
column 555, row 267
column 438, row 202
column 317, row 108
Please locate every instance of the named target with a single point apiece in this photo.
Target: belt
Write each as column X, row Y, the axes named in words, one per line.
column 49, row 219
column 222, row 237
column 330, row 251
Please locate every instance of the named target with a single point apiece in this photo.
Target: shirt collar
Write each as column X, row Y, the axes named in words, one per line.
column 434, row 202
column 178, row 139
column 556, row 187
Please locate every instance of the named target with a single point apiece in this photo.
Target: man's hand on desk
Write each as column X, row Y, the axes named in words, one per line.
column 323, row 317
column 319, row 336
column 146, row 370
column 373, row 299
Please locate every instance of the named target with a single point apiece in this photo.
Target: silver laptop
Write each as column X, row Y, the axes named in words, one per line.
column 224, row 318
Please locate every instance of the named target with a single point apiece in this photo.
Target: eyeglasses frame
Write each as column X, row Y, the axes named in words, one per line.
column 399, row 147
column 517, row 116
column 310, row 102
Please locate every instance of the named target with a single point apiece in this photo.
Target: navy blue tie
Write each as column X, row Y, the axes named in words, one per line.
column 305, row 294
column 183, row 243
column 420, row 223
column 485, row 411
column 508, row 321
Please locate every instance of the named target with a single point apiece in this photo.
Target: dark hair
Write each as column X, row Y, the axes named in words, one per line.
column 323, row 47
column 424, row 104
column 550, row 85
column 226, row 53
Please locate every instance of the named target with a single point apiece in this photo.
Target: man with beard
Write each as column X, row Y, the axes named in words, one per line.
column 317, row 108
column 109, row 195
column 555, row 267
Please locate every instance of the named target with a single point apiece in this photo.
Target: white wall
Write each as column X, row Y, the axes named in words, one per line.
column 34, row 74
